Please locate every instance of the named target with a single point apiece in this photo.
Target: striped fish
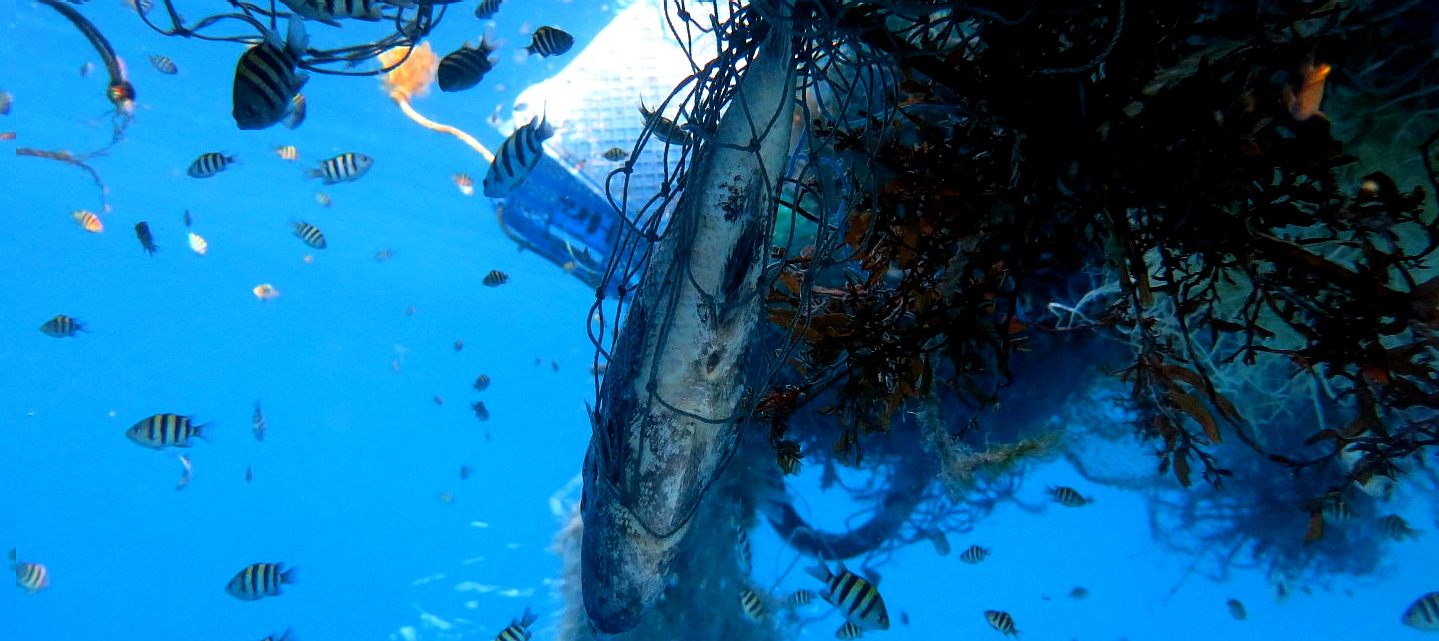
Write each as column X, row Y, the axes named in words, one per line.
column 517, row 157
column 287, row 152
column 1423, row 614
column 1067, row 496
column 257, row 422
column 481, row 412
column 465, row 183
column 495, row 278
column 296, row 115
column 147, row 240
column 486, row 9
column 465, row 67
column 1001, row 621
column 974, row 554
column 799, row 598
column 615, row 154
column 482, row 382
column 31, row 577
column 198, row 244
column 346, row 167
column 750, row 603
column 209, row 164
column 61, row 326
column 853, row 595
column 260, row 580
column 549, row 41
column 266, row 81
column 518, row 629
column 88, row 220
column 164, row 64
column 848, row 631
column 1396, row 528
column 165, row 430
column 742, row 550
column 663, row 128
column 329, row 11
column 6, row 100
column 310, row 234
column 1337, row 510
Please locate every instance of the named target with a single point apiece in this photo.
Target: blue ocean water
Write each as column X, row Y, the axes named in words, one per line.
column 350, row 482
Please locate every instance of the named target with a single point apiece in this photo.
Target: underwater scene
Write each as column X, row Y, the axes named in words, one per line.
column 702, row 320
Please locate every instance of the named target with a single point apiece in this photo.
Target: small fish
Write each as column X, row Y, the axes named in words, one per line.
column 749, row 602
column 165, row 430
column 209, row 164
column 384, row 255
column 465, row 67
column 787, row 453
column 310, row 234
column 260, row 580
column 198, row 244
column 249, row 473
column 163, row 64
column 848, row 631
column 465, row 472
column 1311, row 91
column 459, row 344
column 465, row 183
column 1001, row 621
column 6, row 100
column 266, row 291
column 257, row 422
column 1423, row 614
column 495, row 278
column 1236, row 609
column 184, row 474
column 1396, row 528
column 31, row 577
column 518, row 629
column 853, row 595
column 518, row 155
column 322, row 198
column 799, row 598
column 86, row 69
column 143, row 7
column 447, row 497
column 664, row 128
column 7, row 135
column 346, row 167
column 330, row 11
column 1337, row 510
column 61, row 326
column 481, row 412
column 147, row 240
column 482, row 382
column 1067, row 496
column 296, row 115
column 974, row 554
column 1079, row 593
column 549, row 41
column 743, row 554
column 486, row 9
column 266, row 81
column 615, row 154
column 284, row 636
column 439, row 400
column 88, row 220
column 188, row 219
column 554, row 366
column 287, row 152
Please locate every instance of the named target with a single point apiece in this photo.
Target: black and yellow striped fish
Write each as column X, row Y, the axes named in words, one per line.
column 848, row 631
column 615, row 154
column 260, row 580
column 346, row 167
column 799, row 598
column 1067, row 496
column 287, row 152
column 328, row 11
column 31, row 577
column 1423, row 614
column 266, row 81
column 663, row 128
column 518, row 629
column 209, row 164
column 974, row 554
column 517, row 157
column 165, row 430
column 61, row 326
column 486, row 9
column 164, row 64
column 482, row 382
column 853, row 595
column 465, row 67
column 1001, row 621
column 1396, row 528
column 310, row 234
column 495, row 278
column 549, row 41
column 751, row 605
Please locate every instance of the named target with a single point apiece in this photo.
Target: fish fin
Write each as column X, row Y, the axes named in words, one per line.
column 289, row 576
column 820, row 571
column 296, row 40
column 232, row 159
column 528, row 617
column 202, row 433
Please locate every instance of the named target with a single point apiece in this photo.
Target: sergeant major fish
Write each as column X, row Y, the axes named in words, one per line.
column 1001, row 621
column 1067, row 496
column 664, row 128
column 266, row 81
column 165, row 430
column 208, row 164
column 517, row 157
column 61, row 326
column 486, row 9
column 164, row 64
column 1423, row 614
column 518, row 629
column 465, row 67
column 853, row 595
column 310, row 234
column 259, row 580
column 32, row 577
column 549, row 41
column 346, row 167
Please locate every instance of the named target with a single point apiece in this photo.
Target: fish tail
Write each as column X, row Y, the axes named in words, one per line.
column 290, row 576
column 201, row 432
column 528, row 617
column 820, row 572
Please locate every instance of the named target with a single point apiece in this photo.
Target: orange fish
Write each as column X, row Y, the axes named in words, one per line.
column 1305, row 104
column 88, row 220
column 266, row 291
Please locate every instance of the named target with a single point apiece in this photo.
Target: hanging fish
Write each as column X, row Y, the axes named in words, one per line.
column 482, row 382
column 518, row 629
column 287, row 152
column 61, row 326
column 88, row 220
column 465, row 183
column 257, row 422
column 615, row 154
column 1067, row 496
column 853, row 595
column 549, row 41
column 486, row 9
column 266, row 81
column 346, row 167
column 974, row 554
column 32, row 577
column 481, row 412
column 1001, row 621
column 465, row 67
column 198, row 244
column 266, row 291
column 749, row 602
column 517, row 157
column 165, row 430
column 164, row 64
column 310, row 234
column 259, row 580
column 1423, row 614
column 147, row 241
column 296, row 115
column 495, row 278
column 208, row 164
